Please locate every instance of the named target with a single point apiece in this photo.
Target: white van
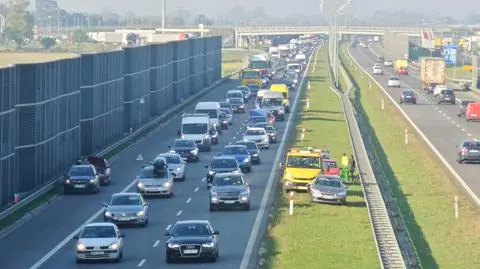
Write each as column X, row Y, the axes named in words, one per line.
column 300, row 57
column 438, row 89
column 297, row 67
column 213, row 110
column 197, row 127
column 234, row 94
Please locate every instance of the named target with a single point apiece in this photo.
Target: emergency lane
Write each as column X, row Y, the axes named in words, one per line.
column 145, row 247
column 34, row 239
column 438, row 122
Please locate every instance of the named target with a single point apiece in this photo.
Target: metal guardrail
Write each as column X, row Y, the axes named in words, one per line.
column 415, row 30
column 134, row 135
column 388, row 249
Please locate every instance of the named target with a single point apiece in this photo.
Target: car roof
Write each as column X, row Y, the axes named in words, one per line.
column 245, row 142
column 235, row 146
column 98, row 224
column 125, row 193
column 184, row 139
column 83, row 165
column 324, row 177
column 168, row 154
column 228, row 175
column 409, row 91
column 255, row 129
column 224, row 158
column 192, row 222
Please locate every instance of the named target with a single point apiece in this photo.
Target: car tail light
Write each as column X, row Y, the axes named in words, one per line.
column 464, row 150
column 67, row 181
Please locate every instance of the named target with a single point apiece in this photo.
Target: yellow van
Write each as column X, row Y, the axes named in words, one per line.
column 284, row 90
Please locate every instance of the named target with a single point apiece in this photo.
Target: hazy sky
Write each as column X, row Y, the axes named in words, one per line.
column 456, row 9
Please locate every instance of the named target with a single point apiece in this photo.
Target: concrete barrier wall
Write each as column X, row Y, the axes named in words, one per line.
column 52, row 113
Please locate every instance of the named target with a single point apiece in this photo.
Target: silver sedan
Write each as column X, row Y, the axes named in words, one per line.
column 175, row 165
column 328, row 189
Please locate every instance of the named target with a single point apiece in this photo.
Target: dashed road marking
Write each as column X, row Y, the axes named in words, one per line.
column 463, row 130
column 448, row 118
column 196, row 189
column 458, row 125
column 188, row 200
column 142, row 262
column 156, row 243
column 469, row 134
column 203, row 179
column 168, row 227
column 179, row 213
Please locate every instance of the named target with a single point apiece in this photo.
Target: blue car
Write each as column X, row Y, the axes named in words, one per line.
column 240, row 152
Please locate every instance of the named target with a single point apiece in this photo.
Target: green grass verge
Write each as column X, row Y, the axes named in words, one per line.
column 57, row 189
column 7, row 58
column 421, row 185
column 321, row 235
column 233, row 60
column 458, row 72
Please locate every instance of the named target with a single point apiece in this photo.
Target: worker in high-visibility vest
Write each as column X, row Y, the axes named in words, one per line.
column 345, row 166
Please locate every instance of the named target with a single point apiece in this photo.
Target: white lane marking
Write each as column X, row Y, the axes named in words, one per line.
column 179, row 213
column 448, row 118
column 188, row 200
column 463, row 130
column 203, row 179
column 69, row 237
column 458, row 125
column 140, row 264
column 168, row 227
column 196, row 189
column 263, row 205
column 156, row 243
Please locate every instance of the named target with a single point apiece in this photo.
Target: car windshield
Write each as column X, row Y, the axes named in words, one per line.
column 98, row 232
column 291, row 75
column 228, row 181
column 223, row 163
column 267, row 127
column 224, row 105
column 253, row 87
column 251, row 75
column 471, row 144
column 184, row 143
column 255, row 132
column 231, row 95
column 303, row 162
column 173, row 159
column 329, row 164
column 226, row 111
column 327, row 183
column 393, row 78
column 256, row 119
column 259, row 64
column 234, row 151
column 408, row 93
column 448, row 92
column 273, row 102
column 149, row 172
column 191, row 229
column 78, row 171
column 236, row 101
column 212, row 113
column 125, row 200
column 194, row 128
column 293, row 66
column 249, row 145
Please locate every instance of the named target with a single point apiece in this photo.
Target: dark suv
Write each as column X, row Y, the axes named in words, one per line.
column 468, row 151
column 446, row 96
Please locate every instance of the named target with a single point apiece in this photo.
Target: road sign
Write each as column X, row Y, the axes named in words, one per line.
column 140, row 157
column 450, row 54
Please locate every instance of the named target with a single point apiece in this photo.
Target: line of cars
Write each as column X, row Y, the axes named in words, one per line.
column 224, row 176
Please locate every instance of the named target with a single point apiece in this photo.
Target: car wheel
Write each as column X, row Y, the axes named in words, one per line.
column 65, row 191
column 170, row 195
column 344, row 201
column 78, row 261
column 414, row 103
column 169, row 259
column 246, row 207
column 212, row 208
column 249, row 169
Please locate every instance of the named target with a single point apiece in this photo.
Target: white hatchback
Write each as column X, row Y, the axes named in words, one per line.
column 393, row 82
column 377, row 70
column 257, row 135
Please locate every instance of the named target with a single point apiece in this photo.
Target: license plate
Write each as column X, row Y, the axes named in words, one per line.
column 123, row 219
column 78, row 186
column 190, row 251
column 408, row 97
column 229, row 202
column 474, row 150
column 97, row 253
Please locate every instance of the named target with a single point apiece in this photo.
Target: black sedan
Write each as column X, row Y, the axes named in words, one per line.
column 222, row 164
column 187, row 149
column 191, row 239
column 408, row 96
column 252, row 149
column 81, row 178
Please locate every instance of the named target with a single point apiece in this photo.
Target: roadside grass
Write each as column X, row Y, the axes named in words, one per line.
column 421, row 185
column 7, row 58
column 321, row 235
column 57, row 188
column 458, row 72
column 233, row 60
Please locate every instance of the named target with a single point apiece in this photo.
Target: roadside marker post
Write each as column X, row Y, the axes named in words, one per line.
column 309, row 87
column 308, row 104
column 383, row 104
column 456, row 207
column 369, row 84
column 291, row 203
column 16, row 198
column 302, row 135
column 406, row 136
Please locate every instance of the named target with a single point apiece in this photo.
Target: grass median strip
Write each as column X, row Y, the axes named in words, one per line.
column 20, row 213
column 421, row 185
column 321, row 235
column 233, row 60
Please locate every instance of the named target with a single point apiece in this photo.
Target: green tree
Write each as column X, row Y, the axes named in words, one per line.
column 202, row 19
column 18, row 26
column 48, row 42
column 79, row 36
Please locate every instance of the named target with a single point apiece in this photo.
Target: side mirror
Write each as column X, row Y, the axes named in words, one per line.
column 219, row 154
column 167, row 233
column 206, row 166
column 76, row 237
column 105, row 204
column 146, row 203
column 184, row 162
column 121, row 235
column 216, row 232
column 174, row 174
column 169, row 147
column 280, row 165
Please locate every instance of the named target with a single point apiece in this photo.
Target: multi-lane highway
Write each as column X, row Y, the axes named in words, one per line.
column 45, row 241
column 438, row 122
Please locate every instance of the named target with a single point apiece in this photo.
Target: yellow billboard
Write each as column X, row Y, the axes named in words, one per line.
column 438, row 42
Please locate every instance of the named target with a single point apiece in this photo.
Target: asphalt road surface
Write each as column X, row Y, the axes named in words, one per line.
column 439, row 123
column 44, row 241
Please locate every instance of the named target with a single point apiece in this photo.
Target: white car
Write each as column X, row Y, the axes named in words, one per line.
column 388, row 63
column 257, row 135
column 363, row 44
column 99, row 241
column 175, row 164
column 393, row 82
column 377, row 70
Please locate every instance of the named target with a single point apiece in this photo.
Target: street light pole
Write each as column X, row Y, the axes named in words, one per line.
column 163, row 16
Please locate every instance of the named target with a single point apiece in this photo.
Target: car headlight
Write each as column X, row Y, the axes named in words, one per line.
column 173, row 245
column 81, row 247
column 295, row 81
column 343, row 193
column 208, row 245
column 195, row 151
column 255, row 155
column 246, row 160
column 140, row 185
column 179, row 169
column 113, row 246
column 206, row 137
column 140, row 213
column 167, row 184
column 211, row 172
column 265, row 138
column 315, row 192
column 237, row 171
column 92, row 181
column 288, row 177
column 108, row 214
